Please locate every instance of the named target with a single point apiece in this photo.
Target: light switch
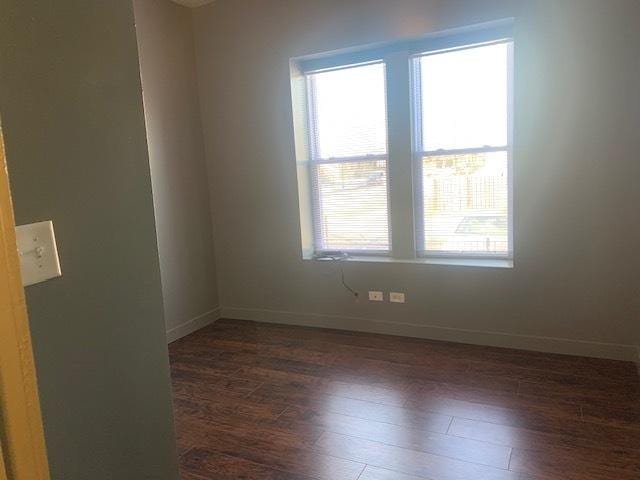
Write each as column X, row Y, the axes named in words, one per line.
column 38, row 252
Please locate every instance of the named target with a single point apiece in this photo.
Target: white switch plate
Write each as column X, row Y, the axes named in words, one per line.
column 376, row 296
column 38, row 252
column 396, row 297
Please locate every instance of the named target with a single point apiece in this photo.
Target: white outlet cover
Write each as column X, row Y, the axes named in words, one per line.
column 38, row 252
column 396, row 297
column 375, row 296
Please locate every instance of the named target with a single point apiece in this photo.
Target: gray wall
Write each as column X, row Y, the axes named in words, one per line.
column 178, row 172
column 574, row 287
column 71, row 106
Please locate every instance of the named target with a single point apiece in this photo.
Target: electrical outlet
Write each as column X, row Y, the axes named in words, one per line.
column 376, row 296
column 396, row 297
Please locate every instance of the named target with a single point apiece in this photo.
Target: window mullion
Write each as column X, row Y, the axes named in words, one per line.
column 401, row 216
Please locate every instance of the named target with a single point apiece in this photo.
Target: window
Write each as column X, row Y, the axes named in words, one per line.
column 349, row 158
column 408, row 141
column 462, row 151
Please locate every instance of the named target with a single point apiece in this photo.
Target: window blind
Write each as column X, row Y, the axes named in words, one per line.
column 462, row 153
column 348, row 150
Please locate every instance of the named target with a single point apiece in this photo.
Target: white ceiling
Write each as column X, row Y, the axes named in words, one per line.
column 193, row 3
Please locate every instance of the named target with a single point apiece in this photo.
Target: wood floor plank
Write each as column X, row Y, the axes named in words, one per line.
column 373, row 473
column 571, row 365
column 578, row 379
column 523, row 414
column 629, row 394
column 502, row 399
column 226, row 409
column 275, row 377
column 428, row 421
column 273, row 449
column 203, row 362
column 456, row 373
column 305, row 394
column 224, row 404
column 573, row 464
column 292, row 393
column 577, row 434
column 274, row 363
column 413, row 438
column 416, row 356
column 358, row 391
column 185, row 475
column 612, row 413
column 184, row 438
column 463, row 409
column 212, row 465
column 188, row 382
column 323, row 356
column 407, row 461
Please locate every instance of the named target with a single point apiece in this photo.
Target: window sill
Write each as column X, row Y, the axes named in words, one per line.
column 448, row 261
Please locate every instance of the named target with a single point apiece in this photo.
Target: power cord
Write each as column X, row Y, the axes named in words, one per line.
column 344, row 283
column 339, row 257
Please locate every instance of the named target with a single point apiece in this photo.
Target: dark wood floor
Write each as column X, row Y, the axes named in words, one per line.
column 256, row 401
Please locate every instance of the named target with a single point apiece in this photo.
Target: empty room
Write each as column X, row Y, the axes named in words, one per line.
column 320, row 240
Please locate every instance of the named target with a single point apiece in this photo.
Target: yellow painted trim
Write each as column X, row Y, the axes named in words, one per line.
column 21, row 430
column 3, row 469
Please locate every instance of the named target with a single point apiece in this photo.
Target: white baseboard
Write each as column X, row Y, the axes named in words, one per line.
column 192, row 325
column 476, row 337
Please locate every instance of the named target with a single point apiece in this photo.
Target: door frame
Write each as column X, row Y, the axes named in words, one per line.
column 22, row 445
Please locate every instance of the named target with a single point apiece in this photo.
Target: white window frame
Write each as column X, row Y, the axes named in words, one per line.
column 404, row 152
